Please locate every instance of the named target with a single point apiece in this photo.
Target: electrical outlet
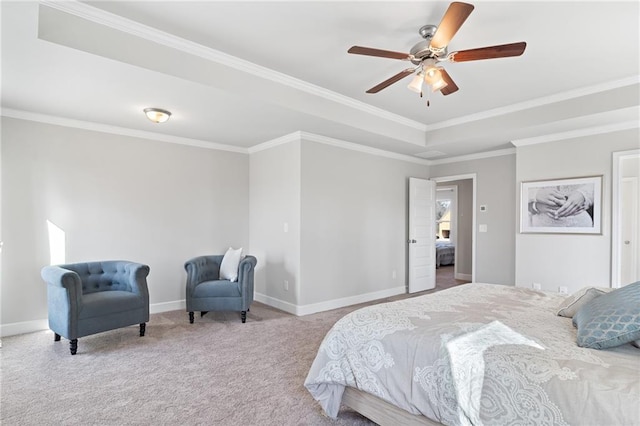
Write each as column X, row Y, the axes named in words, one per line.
column 536, row 286
column 563, row 290
column 285, row 284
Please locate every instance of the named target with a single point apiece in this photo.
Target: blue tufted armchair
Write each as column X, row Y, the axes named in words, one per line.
column 207, row 292
column 92, row 297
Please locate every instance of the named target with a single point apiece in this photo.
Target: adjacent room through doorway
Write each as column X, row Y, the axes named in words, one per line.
column 454, row 232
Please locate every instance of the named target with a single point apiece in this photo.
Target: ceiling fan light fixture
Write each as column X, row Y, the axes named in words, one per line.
column 433, row 76
column 439, row 85
column 431, row 72
column 157, row 115
column 416, row 83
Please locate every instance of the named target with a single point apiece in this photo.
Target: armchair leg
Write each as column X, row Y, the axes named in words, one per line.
column 203, row 313
column 143, row 327
column 73, row 345
column 243, row 316
column 191, row 317
column 56, row 337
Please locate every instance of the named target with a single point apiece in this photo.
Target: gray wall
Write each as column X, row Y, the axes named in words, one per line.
column 574, row 261
column 115, row 197
column 354, row 222
column 346, row 216
column 274, row 202
column 495, row 186
column 346, row 211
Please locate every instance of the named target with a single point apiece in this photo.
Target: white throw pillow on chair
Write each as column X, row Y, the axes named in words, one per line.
column 229, row 264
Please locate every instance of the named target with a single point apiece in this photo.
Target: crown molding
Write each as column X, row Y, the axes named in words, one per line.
column 101, row 17
column 137, row 29
column 313, row 137
column 96, row 15
column 123, row 131
column 291, row 137
column 361, row 148
column 478, row 156
column 116, row 130
column 538, row 102
column 578, row 133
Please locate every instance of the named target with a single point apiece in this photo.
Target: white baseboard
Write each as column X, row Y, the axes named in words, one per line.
column 464, row 277
column 276, row 303
column 14, row 328
column 176, row 305
column 23, row 327
column 313, row 308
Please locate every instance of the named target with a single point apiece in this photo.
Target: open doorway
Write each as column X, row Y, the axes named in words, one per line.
column 455, row 224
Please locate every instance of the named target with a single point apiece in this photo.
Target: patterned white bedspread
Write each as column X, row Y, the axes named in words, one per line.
column 477, row 354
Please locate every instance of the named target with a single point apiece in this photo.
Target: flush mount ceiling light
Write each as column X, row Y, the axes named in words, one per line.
column 157, row 115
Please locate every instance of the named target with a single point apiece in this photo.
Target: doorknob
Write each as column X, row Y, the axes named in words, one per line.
column 412, row 241
column 627, row 242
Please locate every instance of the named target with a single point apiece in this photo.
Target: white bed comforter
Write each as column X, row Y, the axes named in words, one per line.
column 477, row 354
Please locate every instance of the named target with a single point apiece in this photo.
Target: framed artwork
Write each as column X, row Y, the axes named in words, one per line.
column 562, row 206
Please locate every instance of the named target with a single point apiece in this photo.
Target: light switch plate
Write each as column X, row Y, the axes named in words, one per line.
column 482, row 228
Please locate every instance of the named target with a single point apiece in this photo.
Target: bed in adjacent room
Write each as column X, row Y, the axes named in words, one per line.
column 445, row 253
column 480, row 354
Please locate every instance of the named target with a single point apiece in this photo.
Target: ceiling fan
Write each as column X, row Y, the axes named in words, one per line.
column 433, row 49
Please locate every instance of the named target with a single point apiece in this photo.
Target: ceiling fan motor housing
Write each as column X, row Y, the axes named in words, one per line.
column 422, row 50
column 427, row 31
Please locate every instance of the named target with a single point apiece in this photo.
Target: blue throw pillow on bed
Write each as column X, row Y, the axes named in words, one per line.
column 610, row 320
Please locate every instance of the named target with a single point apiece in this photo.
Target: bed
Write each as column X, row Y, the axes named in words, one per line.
column 473, row 354
column 445, row 253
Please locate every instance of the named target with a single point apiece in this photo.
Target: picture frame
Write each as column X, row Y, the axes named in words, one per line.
column 562, row 206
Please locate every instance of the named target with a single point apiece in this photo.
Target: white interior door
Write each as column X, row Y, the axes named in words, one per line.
column 629, row 231
column 422, row 235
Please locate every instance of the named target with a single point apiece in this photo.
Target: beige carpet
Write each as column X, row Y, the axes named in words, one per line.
column 217, row 371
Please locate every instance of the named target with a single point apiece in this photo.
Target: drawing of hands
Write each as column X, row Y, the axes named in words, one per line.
column 550, row 197
column 574, row 204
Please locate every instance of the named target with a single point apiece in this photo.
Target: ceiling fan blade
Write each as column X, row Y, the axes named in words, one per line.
column 451, row 22
column 451, row 86
column 359, row 50
column 491, row 52
column 390, row 81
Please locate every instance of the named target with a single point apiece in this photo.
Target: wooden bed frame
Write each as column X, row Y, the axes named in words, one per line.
column 380, row 411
